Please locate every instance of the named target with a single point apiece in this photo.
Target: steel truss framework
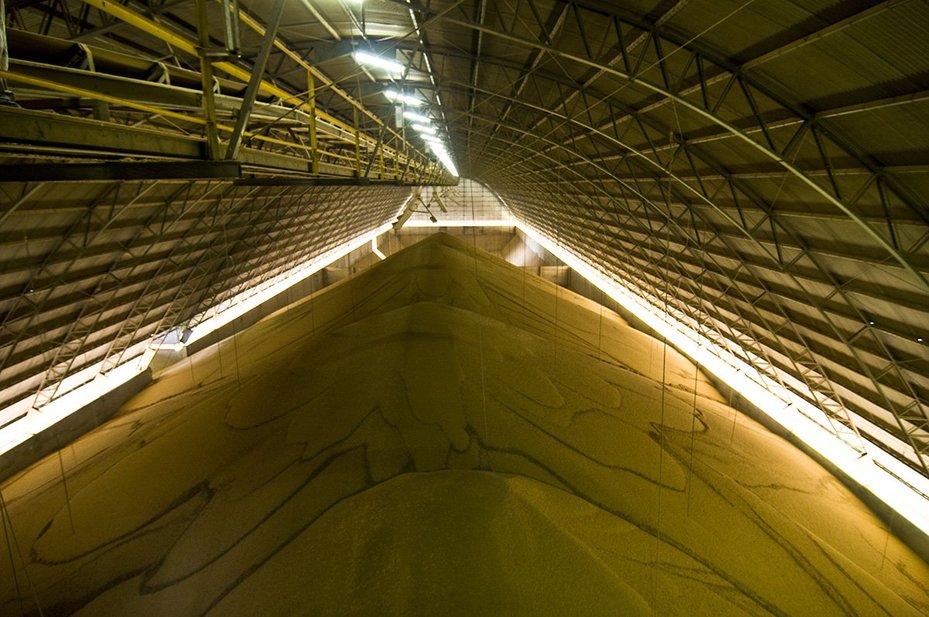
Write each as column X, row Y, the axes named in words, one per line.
column 628, row 140
column 274, row 103
column 760, row 168
column 142, row 258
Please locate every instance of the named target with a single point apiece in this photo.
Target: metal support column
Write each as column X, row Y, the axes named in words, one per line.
column 231, row 24
column 6, row 96
column 251, row 91
column 311, row 102
column 373, row 156
column 357, row 143
column 382, row 170
column 206, row 80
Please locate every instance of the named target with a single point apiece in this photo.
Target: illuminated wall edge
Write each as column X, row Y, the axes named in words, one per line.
column 888, row 479
column 77, row 393
column 504, row 222
column 878, row 472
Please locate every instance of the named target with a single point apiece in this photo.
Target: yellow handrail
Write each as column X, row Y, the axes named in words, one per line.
column 92, row 94
column 184, row 44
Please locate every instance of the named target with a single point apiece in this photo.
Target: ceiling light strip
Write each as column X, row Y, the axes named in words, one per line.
column 76, row 398
column 376, row 61
column 503, row 222
column 400, row 97
column 223, row 313
column 444, row 158
column 95, row 384
column 883, row 475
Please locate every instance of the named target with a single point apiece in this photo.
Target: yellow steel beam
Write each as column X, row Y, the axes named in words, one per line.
column 286, row 96
column 146, row 25
column 322, row 77
column 156, row 111
column 314, row 138
column 355, row 117
column 180, row 42
column 206, row 81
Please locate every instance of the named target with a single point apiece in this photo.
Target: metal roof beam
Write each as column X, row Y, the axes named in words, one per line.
column 108, row 171
column 832, row 28
column 888, row 401
column 54, row 131
column 918, row 277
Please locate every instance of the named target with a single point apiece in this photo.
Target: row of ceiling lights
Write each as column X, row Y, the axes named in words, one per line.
column 421, row 123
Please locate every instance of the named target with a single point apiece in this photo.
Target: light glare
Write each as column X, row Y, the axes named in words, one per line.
column 225, row 312
column 376, row 250
column 880, row 473
column 36, row 421
column 412, row 115
column 461, row 223
column 400, row 97
column 369, row 59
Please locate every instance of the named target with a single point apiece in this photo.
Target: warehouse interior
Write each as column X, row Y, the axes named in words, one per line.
column 745, row 181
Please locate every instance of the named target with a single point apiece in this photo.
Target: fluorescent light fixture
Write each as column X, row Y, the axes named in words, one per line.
column 376, row 250
column 882, row 474
column 412, row 115
column 444, row 157
column 369, row 59
column 171, row 341
column 169, row 346
column 406, row 99
column 225, row 312
column 422, row 128
column 59, row 408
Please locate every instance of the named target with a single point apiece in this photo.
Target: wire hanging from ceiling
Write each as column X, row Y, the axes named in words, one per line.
column 484, row 456
column 661, row 426
column 64, row 482
column 700, row 312
column 12, row 543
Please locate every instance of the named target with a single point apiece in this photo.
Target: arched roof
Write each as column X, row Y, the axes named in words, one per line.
column 759, row 165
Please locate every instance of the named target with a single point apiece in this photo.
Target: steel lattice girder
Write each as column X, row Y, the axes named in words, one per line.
column 650, row 141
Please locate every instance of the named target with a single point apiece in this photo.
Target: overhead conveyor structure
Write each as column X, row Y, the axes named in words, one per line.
column 290, row 133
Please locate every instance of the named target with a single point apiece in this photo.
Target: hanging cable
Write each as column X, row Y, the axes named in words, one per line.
column 890, row 526
column 665, row 260
column 235, row 354
column 555, row 329
column 693, row 438
column 524, row 264
column 9, row 548
column 600, row 327
column 64, row 483
column 664, row 364
column 12, row 543
column 469, row 197
column 700, row 312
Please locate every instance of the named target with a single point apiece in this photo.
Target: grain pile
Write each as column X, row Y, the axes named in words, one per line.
column 443, row 435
